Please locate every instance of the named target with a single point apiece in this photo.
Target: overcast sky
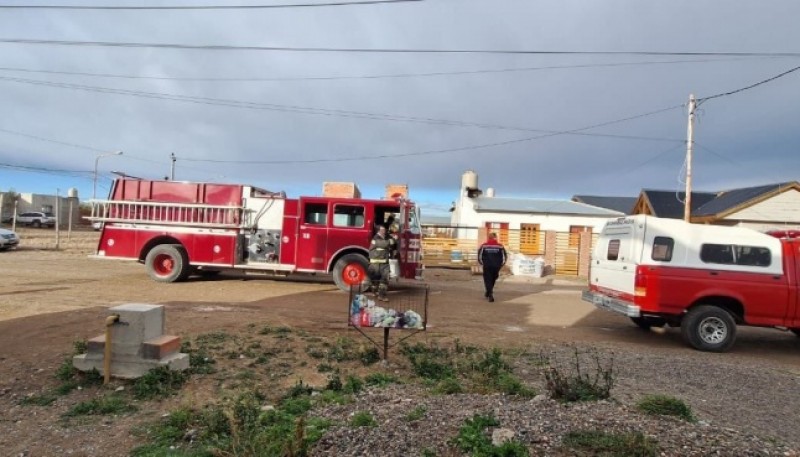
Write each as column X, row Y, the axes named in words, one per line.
column 289, row 107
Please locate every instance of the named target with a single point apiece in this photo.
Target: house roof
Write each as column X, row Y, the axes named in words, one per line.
column 669, row 204
column 541, row 206
column 730, row 199
column 622, row 204
column 434, row 220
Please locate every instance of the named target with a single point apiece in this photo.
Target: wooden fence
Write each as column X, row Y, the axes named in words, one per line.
column 564, row 253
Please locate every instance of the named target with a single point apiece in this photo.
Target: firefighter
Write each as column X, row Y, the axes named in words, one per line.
column 381, row 249
column 492, row 256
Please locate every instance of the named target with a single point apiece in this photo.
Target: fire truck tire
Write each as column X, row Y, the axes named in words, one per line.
column 167, row 263
column 349, row 264
column 709, row 328
column 796, row 331
column 646, row 323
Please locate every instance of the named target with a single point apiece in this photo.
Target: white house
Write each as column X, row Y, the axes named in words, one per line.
column 473, row 210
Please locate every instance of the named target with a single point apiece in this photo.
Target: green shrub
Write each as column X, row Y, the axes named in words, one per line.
column 417, row 413
column 369, row 356
column 599, row 443
column 578, row 382
column 353, row 385
column 66, row 371
column 112, row 404
column 380, row 379
column 661, row 405
column 448, row 386
column 38, row 400
column 158, row 383
column 363, row 419
column 473, row 439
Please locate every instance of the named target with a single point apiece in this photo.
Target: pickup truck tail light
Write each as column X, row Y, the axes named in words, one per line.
column 640, row 283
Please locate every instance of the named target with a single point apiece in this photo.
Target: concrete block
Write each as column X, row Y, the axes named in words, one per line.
column 138, row 344
column 138, row 322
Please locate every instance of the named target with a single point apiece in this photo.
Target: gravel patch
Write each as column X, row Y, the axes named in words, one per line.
column 743, row 409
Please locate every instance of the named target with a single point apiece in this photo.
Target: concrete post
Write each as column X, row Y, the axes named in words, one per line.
column 584, row 254
column 549, row 252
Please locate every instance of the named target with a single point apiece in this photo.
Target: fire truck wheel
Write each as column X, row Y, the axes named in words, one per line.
column 351, row 266
column 709, row 328
column 796, row 331
column 167, row 263
column 646, row 323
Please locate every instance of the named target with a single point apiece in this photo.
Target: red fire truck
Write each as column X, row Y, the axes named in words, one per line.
column 182, row 228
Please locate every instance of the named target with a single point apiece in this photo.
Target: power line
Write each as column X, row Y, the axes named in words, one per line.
column 438, row 151
column 91, row 148
column 390, row 50
column 204, row 7
column 780, row 75
column 308, row 110
column 376, row 76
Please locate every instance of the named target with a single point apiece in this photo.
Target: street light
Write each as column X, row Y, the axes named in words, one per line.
column 94, row 184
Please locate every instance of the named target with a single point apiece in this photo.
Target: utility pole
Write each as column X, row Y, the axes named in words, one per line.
column 172, row 168
column 58, row 219
column 687, row 209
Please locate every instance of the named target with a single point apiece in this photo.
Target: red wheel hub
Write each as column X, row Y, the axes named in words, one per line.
column 163, row 264
column 353, row 274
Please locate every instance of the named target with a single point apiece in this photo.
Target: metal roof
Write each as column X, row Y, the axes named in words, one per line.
column 539, row 206
column 669, row 204
column 730, row 199
column 622, row 204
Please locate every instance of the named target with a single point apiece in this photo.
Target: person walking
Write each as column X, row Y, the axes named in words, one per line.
column 492, row 256
column 381, row 249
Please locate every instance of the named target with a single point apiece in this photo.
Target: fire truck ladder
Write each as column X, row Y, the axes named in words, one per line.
column 183, row 214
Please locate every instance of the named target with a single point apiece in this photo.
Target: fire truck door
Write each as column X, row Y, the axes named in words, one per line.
column 312, row 239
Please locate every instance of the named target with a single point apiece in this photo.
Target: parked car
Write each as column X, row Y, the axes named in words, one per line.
column 37, row 219
column 6, row 219
column 8, row 239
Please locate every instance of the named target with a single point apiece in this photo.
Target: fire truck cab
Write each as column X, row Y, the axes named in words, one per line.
column 180, row 228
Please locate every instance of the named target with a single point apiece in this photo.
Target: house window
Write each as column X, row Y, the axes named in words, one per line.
column 501, row 229
column 613, row 250
column 575, row 234
column 348, row 216
column 529, row 239
column 662, row 249
column 316, row 213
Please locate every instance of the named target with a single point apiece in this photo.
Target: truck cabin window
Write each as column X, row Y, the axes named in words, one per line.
column 316, row 213
column 727, row 254
column 613, row 250
column 662, row 249
column 348, row 216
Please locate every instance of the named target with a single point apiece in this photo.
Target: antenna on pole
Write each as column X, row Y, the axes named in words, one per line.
column 172, row 168
column 687, row 208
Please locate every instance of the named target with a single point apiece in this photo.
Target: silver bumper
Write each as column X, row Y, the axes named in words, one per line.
column 611, row 304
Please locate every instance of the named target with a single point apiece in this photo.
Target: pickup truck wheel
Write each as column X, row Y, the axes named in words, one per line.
column 37, row 224
column 350, row 268
column 709, row 328
column 646, row 323
column 167, row 263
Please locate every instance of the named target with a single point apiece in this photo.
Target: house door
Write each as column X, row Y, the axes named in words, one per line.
column 529, row 239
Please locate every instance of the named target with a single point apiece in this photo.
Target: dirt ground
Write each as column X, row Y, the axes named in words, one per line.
column 50, row 299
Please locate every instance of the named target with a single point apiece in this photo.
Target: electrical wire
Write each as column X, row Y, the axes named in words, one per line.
column 724, row 94
column 388, row 50
column 91, row 148
column 437, row 151
column 652, row 159
column 204, row 7
column 308, row 110
column 376, row 76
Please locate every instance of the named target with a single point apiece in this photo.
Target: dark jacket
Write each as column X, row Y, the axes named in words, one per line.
column 492, row 254
column 381, row 249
